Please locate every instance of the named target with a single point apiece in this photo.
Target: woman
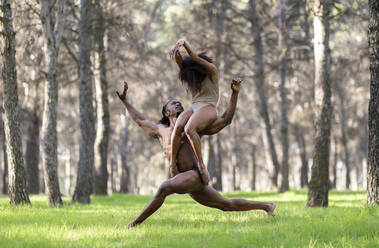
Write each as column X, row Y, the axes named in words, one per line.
column 200, row 76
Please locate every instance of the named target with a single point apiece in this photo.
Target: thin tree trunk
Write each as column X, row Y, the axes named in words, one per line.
column 123, row 149
column 211, row 160
column 17, row 177
column 5, row 159
column 32, row 153
column 218, row 167
column 319, row 184
column 300, row 140
column 254, row 167
column 335, row 160
column 102, row 134
column 373, row 117
column 259, row 82
column 284, row 186
column 83, row 187
column 53, row 27
column 343, row 134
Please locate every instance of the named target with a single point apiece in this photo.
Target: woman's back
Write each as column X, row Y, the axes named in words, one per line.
column 209, row 92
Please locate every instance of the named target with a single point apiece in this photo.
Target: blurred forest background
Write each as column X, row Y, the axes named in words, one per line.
column 248, row 154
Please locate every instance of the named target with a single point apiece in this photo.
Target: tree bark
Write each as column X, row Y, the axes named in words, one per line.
column 53, row 27
column 373, row 117
column 259, row 82
column 300, row 140
column 103, row 128
column 284, row 186
column 4, row 150
column 83, row 187
column 17, row 177
column 32, row 153
column 211, row 160
column 319, row 184
column 123, row 148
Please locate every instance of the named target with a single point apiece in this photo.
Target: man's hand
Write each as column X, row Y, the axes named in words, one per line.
column 205, row 178
column 123, row 95
column 236, row 84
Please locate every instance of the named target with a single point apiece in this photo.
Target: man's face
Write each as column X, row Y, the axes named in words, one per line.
column 174, row 107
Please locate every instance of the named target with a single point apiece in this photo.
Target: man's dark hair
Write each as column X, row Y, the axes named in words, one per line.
column 165, row 120
column 192, row 74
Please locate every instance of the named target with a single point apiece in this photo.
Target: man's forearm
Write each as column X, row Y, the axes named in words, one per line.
column 136, row 116
column 229, row 113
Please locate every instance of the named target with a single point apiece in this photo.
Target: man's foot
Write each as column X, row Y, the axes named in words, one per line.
column 132, row 224
column 270, row 209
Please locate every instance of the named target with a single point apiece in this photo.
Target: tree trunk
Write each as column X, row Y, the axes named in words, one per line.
column 83, row 187
column 335, row 160
column 300, row 140
column 123, row 148
column 259, row 82
column 218, row 167
column 211, row 160
column 319, row 184
column 373, row 117
column 53, row 27
column 17, row 177
column 254, row 167
column 343, row 134
column 284, row 186
column 102, row 134
column 4, row 150
column 32, row 153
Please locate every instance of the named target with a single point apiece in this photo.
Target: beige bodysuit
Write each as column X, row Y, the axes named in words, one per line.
column 208, row 95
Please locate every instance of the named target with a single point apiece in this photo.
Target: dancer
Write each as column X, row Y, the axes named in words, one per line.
column 186, row 179
column 200, row 76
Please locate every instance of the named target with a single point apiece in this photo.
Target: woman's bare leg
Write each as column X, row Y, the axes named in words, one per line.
column 185, row 182
column 209, row 197
column 196, row 123
column 176, row 135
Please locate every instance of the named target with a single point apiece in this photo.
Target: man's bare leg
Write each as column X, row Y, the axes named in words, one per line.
column 209, row 197
column 182, row 183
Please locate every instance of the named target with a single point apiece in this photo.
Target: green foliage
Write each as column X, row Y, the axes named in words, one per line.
column 183, row 223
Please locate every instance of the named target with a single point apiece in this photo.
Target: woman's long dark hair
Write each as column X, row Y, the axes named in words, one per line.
column 192, row 74
column 165, row 120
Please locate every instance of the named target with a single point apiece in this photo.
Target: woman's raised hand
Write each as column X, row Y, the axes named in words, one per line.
column 123, row 95
column 176, row 47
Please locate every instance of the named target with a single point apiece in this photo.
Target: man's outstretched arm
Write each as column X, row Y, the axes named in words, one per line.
column 227, row 117
column 149, row 127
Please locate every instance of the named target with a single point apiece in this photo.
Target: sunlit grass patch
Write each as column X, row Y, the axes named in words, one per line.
column 183, row 223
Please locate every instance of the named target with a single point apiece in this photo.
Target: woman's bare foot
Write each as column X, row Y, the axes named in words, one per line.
column 270, row 209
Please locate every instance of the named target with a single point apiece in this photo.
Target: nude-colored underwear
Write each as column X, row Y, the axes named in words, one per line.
column 198, row 105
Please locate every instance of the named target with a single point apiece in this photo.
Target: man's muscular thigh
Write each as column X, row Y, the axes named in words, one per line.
column 186, row 182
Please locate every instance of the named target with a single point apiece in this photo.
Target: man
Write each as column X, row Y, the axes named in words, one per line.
column 186, row 179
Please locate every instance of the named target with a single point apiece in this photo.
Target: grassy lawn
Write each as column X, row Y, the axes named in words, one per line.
column 183, row 223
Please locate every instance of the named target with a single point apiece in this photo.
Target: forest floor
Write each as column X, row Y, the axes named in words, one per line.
column 181, row 222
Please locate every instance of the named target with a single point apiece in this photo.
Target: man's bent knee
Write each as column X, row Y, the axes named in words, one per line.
column 164, row 190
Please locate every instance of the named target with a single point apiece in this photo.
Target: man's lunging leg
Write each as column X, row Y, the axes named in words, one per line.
column 185, row 182
column 211, row 198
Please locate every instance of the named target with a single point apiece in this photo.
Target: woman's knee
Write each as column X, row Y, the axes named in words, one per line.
column 189, row 130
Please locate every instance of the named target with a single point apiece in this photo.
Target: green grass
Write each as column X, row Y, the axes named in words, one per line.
column 183, row 223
